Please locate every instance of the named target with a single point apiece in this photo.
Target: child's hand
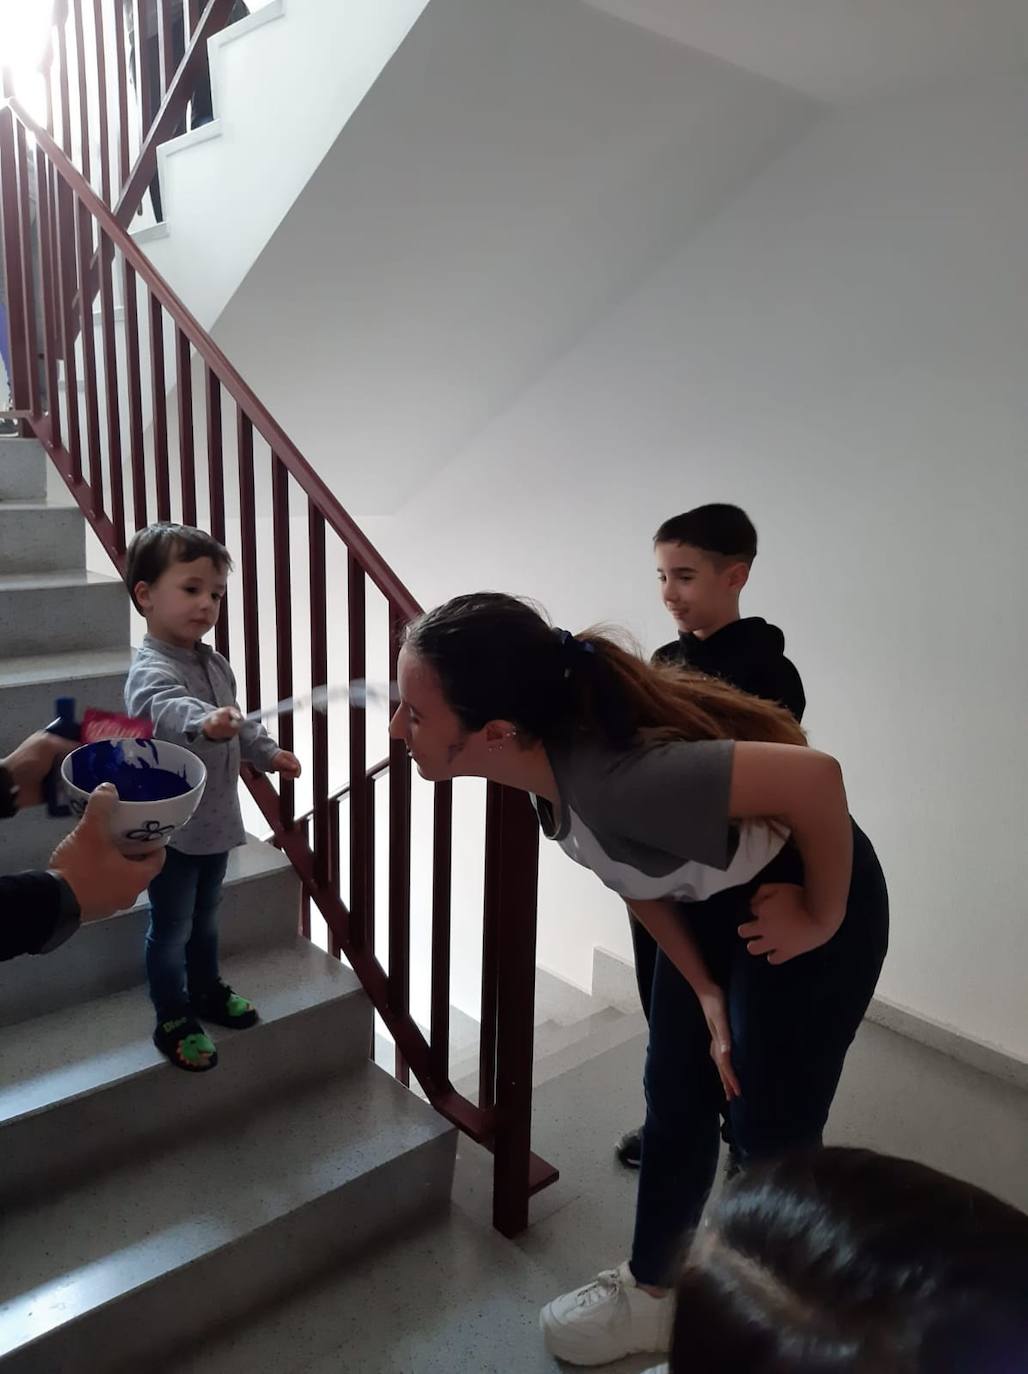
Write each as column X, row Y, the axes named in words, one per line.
column 224, row 723
column 287, row 764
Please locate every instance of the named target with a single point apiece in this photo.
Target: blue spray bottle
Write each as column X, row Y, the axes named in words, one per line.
column 68, row 728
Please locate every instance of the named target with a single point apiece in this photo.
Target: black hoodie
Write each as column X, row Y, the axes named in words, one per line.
column 749, row 653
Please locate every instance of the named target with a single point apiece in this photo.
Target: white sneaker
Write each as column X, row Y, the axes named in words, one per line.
column 658, row 1369
column 606, row 1320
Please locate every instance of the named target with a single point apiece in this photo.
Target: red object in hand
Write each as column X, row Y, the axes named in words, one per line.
column 100, row 725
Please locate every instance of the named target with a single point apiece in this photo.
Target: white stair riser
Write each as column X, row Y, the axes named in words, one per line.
column 107, row 956
column 57, row 1144
column 241, row 1277
column 28, row 707
column 49, row 620
column 22, row 470
column 41, row 539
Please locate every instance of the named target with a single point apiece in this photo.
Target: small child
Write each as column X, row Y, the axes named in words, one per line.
column 176, row 577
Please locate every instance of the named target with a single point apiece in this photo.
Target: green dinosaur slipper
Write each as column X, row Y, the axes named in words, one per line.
column 224, row 1007
column 186, row 1044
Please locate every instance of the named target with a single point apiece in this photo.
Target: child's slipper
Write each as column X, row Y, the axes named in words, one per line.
column 184, row 1042
column 224, row 1007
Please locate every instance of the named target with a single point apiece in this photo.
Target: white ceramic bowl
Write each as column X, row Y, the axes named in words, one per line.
column 136, row 824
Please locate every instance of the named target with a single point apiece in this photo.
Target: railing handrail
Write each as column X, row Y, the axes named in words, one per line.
column 338, row 519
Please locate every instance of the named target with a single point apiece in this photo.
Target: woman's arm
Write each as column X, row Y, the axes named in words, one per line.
column 805, row 789
column 664, row 922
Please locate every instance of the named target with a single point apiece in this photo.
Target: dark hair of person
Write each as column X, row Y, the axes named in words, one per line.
column 724, row 533
column 498, row 658
column 153, row 550
column 844, row 1261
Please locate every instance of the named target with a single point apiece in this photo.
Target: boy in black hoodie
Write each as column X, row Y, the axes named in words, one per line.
column 703, row 563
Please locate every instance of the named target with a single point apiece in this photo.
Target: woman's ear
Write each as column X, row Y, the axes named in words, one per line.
column 499, row 732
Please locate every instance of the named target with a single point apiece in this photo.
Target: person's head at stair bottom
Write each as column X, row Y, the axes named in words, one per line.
column 849, row 1262
column 729, row 841
column 176, row 576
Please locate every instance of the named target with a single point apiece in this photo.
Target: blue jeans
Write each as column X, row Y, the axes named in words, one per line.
column 182, row 941
column 791, row 1027
column 5, row 342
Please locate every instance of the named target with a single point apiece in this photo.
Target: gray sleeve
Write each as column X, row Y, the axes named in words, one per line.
column 155, row 692
column 672, row 797
column 256, row 746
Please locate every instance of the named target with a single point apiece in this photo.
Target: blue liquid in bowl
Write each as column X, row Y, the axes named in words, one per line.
column 136, row 779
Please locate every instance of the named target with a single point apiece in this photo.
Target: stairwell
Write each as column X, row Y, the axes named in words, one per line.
column 284, row 82
column 143, row 1207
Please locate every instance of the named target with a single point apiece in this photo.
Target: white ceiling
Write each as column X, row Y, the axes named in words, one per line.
column 845, row 51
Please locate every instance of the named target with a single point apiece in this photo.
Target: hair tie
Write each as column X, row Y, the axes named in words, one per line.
column 572, row 648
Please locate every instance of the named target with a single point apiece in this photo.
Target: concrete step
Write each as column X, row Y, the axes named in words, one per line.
column 84, row 1087
column 29, row 686
column 551, row 1038
column 604, row 1031
column 56, row 612
column 22, row 470
column 561, row 1002
column 35, row 537
column 609, row 1035
column 614, row 981
column 260, row 910
column 558, row 1045
column 150, row 1256
column 28, row 839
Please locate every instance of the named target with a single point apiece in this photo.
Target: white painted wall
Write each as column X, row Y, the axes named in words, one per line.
column 844, row 351
column 519, row 166
column 846, row 52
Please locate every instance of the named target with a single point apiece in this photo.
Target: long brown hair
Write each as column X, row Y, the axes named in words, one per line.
column 498, row 658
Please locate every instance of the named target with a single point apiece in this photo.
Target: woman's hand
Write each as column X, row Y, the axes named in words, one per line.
column 671, row 930
column 715, row 1011
column 803, row 789
column 782, row 926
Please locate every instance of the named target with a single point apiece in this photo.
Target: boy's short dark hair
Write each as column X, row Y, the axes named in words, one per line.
column 153, row 551
column 719, row 530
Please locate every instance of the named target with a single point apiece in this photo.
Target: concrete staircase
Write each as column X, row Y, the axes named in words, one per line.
column 144, row 1207
column 571, row 1026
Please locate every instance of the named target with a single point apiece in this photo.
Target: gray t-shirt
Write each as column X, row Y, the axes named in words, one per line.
column 176, row 688
column 653, row 821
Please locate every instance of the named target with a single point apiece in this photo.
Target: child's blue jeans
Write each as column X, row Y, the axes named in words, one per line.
column 182, row 941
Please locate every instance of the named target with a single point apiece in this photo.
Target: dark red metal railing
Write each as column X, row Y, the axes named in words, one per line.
column 213, row 454
column 109, row 105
